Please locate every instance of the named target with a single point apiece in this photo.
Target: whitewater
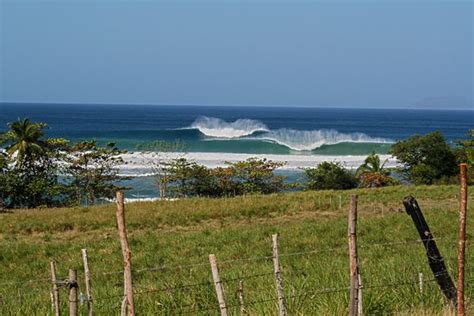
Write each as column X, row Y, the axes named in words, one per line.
column 297, row 140
column 141, row 163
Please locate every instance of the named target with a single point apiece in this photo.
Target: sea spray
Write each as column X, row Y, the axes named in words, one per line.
column 298, row 140
column 215, row 127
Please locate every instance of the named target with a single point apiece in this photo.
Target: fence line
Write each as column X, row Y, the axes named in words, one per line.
column 256, row 258
column 192, row 265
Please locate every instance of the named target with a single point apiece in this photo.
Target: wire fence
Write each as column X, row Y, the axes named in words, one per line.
column 202, row 300
column 104, row 301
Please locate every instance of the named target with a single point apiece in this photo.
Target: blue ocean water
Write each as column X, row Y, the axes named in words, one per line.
column 249, row 130
column 259, row 130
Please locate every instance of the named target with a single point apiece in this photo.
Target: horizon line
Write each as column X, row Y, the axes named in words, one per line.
column 414, row 107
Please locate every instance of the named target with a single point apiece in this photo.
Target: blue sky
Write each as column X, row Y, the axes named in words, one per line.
column 310, row 53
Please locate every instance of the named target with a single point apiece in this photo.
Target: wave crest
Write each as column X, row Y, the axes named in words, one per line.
column 294, row 139
column 215, row 127
column 309, row 140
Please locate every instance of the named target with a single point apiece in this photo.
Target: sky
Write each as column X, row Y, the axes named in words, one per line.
column 289, row 53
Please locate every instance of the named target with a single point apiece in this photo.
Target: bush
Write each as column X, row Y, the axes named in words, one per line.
column 330, row 175
column 425, row 159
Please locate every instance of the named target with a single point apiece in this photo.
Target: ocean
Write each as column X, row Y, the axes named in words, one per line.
column 300, row 136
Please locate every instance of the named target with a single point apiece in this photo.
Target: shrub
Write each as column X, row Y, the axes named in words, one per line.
column 330, row 175
column 425, row 159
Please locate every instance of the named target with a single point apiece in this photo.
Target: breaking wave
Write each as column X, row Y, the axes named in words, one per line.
column 215, row 127
column 309, row 140
column 297, row 140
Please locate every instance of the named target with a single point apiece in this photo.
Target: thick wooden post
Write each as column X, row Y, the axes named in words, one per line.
column 87, row 280
column 462, row 238
column 54, row 281
column 72, row 285
column 127, row 255
column 278, row 279
column 353, row 261
column 218, row 285
column 435, row 259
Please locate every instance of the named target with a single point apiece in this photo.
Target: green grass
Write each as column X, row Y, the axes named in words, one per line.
column 178, row 236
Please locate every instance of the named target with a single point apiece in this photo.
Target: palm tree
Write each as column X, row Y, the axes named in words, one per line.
column 372, row 165
column 24, row 139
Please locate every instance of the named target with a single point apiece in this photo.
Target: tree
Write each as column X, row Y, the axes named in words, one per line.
column 94, row 170
column 372, row 173
column 30, row 172
column 178, row 171
column 425, row 159
column 330, row 175
column 24, row 140
column 372, row 165
column 465, row 154
column 164, row 150
column 257, row 176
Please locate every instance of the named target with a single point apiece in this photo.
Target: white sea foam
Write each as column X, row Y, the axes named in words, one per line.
column 214, row 127
column 140, row 163
column 309, row 140
column 294, row 139
column 143, row 199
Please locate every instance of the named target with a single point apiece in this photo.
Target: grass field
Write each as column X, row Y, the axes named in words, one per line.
column 176, row 237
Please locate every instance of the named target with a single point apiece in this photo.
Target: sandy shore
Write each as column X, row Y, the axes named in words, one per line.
column 139, row 163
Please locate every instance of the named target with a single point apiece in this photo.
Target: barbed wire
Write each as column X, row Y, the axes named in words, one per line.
column 256, row 258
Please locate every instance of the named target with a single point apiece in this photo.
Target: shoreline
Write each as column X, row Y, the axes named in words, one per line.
column 139, row 164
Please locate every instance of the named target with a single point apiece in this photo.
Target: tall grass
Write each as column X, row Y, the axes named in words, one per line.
column 176, row 237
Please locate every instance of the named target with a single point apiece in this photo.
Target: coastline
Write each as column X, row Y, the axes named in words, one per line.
column 139, row 164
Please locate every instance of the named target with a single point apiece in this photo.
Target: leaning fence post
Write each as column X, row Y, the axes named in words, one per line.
column 278, row 279
column 353, row 261
column 435, row 259
column 87, row 279
column 127, row 255
column 72, row 285
column 54, row 281
column 462, row 238
column 218, row 284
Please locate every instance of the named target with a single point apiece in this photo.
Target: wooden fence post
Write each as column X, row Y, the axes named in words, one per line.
column 360, row 305
column 462, row 238
column 353, row 261
column 72, row 285
column 127, row 255
column 435, row 259
column 54, row 281
column 420, row 282
column 241, row 297
column 278, row 279
column 218, row 285
column 87, row 279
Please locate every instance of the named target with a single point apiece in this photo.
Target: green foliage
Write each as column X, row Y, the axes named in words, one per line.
column 257, row 176
column 465, row 153
column 93, row 170
column 187, row 178
column 330, row 175
column 24, row 141
column 372, row 173
column 30, row 172
column 426, row 159
column 372, row 164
